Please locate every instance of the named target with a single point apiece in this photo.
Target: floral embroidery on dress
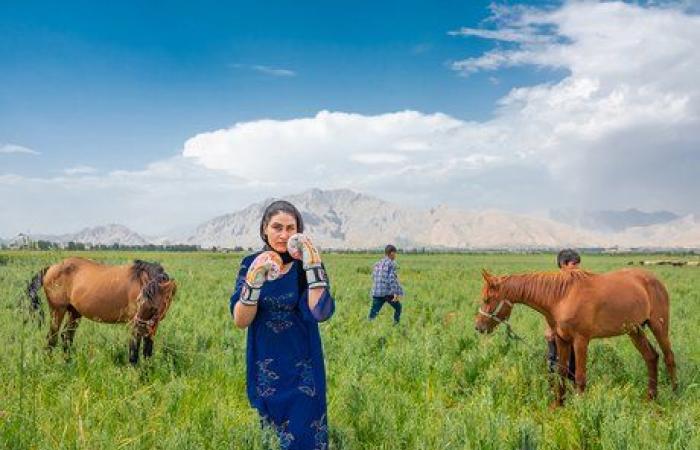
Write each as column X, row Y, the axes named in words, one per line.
column 279, row 311
column 284, row 302
column 306, row 383
column 266, row 378
column 284, row 436
column 278, row 322
column 285, row 381
column 321, row 435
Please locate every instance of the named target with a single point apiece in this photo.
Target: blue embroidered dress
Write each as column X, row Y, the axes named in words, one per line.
column 286, row 378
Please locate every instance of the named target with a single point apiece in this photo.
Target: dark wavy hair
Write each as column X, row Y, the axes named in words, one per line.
column 276, row 207
column 568, row 255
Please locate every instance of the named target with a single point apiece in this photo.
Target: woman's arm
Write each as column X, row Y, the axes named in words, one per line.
column 243, row 315
column 321, row 303
column 318, row 297
column 244, row 301
column 314, row 296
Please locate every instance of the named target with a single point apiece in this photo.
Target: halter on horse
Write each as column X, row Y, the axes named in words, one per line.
column 580, row 306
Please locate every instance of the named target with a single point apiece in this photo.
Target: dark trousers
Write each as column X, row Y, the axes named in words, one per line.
column 552, row 359
column 378, row 302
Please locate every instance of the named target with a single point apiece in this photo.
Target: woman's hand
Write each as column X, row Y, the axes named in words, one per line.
column 300, row 247
column 265, row 267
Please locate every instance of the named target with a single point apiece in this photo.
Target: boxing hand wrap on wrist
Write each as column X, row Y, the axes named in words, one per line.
column 316, row 277
column 249, row 295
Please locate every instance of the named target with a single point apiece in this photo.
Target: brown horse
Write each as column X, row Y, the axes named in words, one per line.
column 580, row 306
column 139, row 293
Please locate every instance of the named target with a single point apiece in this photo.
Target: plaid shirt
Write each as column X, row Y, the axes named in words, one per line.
column 386, row 281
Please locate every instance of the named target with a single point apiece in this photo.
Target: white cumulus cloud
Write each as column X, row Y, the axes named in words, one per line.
column 619, row 129
column 618, row 126
column 622, row 127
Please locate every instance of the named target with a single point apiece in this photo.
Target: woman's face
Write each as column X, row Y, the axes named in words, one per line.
column 278, row 230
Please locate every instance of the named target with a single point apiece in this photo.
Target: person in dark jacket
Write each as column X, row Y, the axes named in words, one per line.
column 567, row 259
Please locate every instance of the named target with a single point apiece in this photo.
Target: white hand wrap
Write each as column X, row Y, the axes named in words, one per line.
column 301, row 247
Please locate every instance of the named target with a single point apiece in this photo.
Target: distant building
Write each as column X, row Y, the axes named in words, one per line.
column 20, row 241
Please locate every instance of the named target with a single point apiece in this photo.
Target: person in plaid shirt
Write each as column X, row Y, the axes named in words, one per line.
column 386, row 286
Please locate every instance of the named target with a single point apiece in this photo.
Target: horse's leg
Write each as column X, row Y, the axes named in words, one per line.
column 56, row 319
column 563, row 350
column 69, row 331
column 581, row 357
column 651, row 357
column 147, row 346
column 134, row 346
column 660, row 331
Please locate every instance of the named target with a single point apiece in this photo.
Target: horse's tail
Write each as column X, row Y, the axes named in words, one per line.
column 33, row 292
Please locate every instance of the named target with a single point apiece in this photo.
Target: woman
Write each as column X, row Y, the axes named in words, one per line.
column 281, row 294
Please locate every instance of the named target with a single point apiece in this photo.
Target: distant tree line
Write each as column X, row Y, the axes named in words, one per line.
column 80, row 246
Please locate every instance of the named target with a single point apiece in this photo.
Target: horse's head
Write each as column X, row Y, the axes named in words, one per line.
column 494, row 307
column 156, row 296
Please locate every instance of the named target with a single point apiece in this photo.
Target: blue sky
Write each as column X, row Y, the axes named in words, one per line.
column 199, row 101
column 120, row 85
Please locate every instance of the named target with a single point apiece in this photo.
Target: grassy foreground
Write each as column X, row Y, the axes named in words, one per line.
column 431, row 383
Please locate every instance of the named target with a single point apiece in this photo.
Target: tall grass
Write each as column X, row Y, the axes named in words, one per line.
column 430, row 383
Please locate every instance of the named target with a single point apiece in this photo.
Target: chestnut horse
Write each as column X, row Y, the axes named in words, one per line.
column 139, row 293
column 580, row 306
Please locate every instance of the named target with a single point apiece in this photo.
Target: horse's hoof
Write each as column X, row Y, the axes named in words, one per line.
column 555, row 405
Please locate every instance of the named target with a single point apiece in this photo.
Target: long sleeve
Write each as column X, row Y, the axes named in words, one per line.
column 240, row 279
column 394, row 285
column 325, row 307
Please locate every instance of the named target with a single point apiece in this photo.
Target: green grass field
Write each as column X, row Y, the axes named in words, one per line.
column 431, row 383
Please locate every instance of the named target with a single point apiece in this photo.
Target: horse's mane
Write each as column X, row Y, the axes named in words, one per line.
column 545, row 285
column 154, row 274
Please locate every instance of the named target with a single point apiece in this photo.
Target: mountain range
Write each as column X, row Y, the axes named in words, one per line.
column 612, row 221
column 345, row 219
column 99, row 235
